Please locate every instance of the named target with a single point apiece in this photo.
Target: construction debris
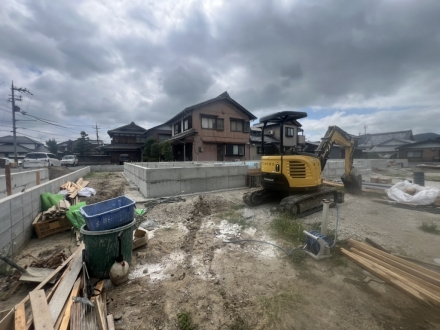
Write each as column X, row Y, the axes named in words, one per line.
column 73, row 189
column 416, row 281
column 63, row 305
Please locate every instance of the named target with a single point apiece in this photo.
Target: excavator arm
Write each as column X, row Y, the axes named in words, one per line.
column 335, row 135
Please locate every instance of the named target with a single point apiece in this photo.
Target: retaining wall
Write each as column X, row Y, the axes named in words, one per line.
column 23, row 180
column 168, row 179
column 17, row 212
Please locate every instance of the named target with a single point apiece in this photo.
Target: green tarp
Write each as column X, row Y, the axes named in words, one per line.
column 75, row 217
column 48, row 200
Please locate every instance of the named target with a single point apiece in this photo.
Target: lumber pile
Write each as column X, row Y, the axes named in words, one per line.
column 414, row 280
column 55, row 308
column 73, row 188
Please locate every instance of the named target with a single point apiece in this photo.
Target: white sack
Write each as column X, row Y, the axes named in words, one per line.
column 87, row 192
column 423, row 195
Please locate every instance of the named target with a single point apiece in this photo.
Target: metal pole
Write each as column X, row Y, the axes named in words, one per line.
column 13, row 123
column 325, row 204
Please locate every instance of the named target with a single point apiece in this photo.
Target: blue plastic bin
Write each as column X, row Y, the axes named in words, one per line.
column 109, row 214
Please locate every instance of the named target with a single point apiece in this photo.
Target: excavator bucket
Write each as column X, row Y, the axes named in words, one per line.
column 352, row 183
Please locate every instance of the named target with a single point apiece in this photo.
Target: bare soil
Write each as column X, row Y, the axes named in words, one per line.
column 186, row 268
column 57, row 171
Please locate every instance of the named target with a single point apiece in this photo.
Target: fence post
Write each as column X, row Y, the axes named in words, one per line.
column 8, row 180
column 37, row 174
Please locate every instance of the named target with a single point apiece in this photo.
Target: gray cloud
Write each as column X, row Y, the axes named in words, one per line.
column 122, row 61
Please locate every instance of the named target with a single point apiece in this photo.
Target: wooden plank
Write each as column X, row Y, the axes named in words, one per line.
column 434, row 277
column 85, row 184
column 11, row 291
column 375, row 270
column 73, row 195
column 40, row 310
column 7, row 319
column 110, row 322
column 398, row 271
column 101, row 313
column 54, row 288
column 79, row 182
column 8, row 180
column 375, row 245
column 63, row 321
column 432, row 266
column 59, row 298
column 55, row 272
column 20, row 317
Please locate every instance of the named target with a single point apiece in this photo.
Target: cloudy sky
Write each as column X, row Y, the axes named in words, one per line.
column 371, row 63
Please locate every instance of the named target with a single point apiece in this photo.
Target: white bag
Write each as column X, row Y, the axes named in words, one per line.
column 423, row 195
column 87, row 192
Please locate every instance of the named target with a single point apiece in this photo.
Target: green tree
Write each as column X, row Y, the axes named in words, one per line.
column 83, row 146
column 154, row 152
column 147, row 148
column 166, row 151
column 52, row 145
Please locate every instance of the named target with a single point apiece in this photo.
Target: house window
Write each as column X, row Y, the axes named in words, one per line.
column 187, row 123
column 414, row 154
column 234, row 149
column 290, row 131
column 259, row 151
column 236, row 125
column 213, row 123
column 177, row 128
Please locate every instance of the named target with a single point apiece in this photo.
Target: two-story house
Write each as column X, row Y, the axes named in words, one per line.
column 129, row 140
column 292, row 140
column 160, row 133
column 214, row 130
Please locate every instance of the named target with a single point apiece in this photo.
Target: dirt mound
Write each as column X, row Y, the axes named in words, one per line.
column 57, row 171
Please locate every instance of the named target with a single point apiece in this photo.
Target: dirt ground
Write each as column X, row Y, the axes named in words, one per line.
column 57, row 171
column 186, row 268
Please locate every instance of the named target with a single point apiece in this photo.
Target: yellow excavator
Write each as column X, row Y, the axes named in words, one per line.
column 294, row 177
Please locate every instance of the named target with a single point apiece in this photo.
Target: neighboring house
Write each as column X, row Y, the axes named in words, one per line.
column 128, row 139
column 255, row 141
column 368, row 141
column 68, row 147
column 24, row 145
column 388, row 149
column 424, row 151
column 214, row 130
column 160, row 133
column 336, row 151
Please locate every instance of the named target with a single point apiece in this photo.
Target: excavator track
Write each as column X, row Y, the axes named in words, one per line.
column 304, row 204
column 260, row 196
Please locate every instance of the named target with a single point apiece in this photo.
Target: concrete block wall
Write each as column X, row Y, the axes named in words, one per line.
column 335, row 168
column 23, row 180
column 17, row 212
column 166, row 180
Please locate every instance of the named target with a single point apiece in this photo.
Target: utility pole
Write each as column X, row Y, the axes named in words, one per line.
column 97, row 137
column 15, row 109
column 365, row 128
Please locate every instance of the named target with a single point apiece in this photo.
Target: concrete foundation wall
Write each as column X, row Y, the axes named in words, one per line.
column 336, row 168
column 17, row 212
column 107, row 168
column 23, row 180
column 167, row 179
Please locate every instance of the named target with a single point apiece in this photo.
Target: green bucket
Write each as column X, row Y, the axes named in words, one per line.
column 102, row 247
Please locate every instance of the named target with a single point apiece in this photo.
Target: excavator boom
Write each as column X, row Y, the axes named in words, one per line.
column 335, row 135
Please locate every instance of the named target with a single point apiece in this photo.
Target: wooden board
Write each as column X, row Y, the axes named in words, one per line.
column 375, row 245
column 110, row 322
column 73, row 195
column 64, row 319
column 59, row 298
column 40, row 311
column 20, row 317
column 7, row 319
column 426, row 274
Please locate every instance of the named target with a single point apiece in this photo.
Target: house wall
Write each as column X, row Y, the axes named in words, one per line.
column 17, row 212
column 94, row 160
column 287, row 141
column 23, row 180
column 428, row 155
column 135, row 156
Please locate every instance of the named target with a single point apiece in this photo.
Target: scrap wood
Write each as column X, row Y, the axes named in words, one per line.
column 110, row 322
column 64, row 319
column 54, row 273
column 422, row 272
column 427, row 285
column 79, row 182
column 40, row 311
column 73, row 195
column 432, row 266
column 20, row 317
column 85, row 184
column 382, row 273
column 61, row 294
column 12, row 289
